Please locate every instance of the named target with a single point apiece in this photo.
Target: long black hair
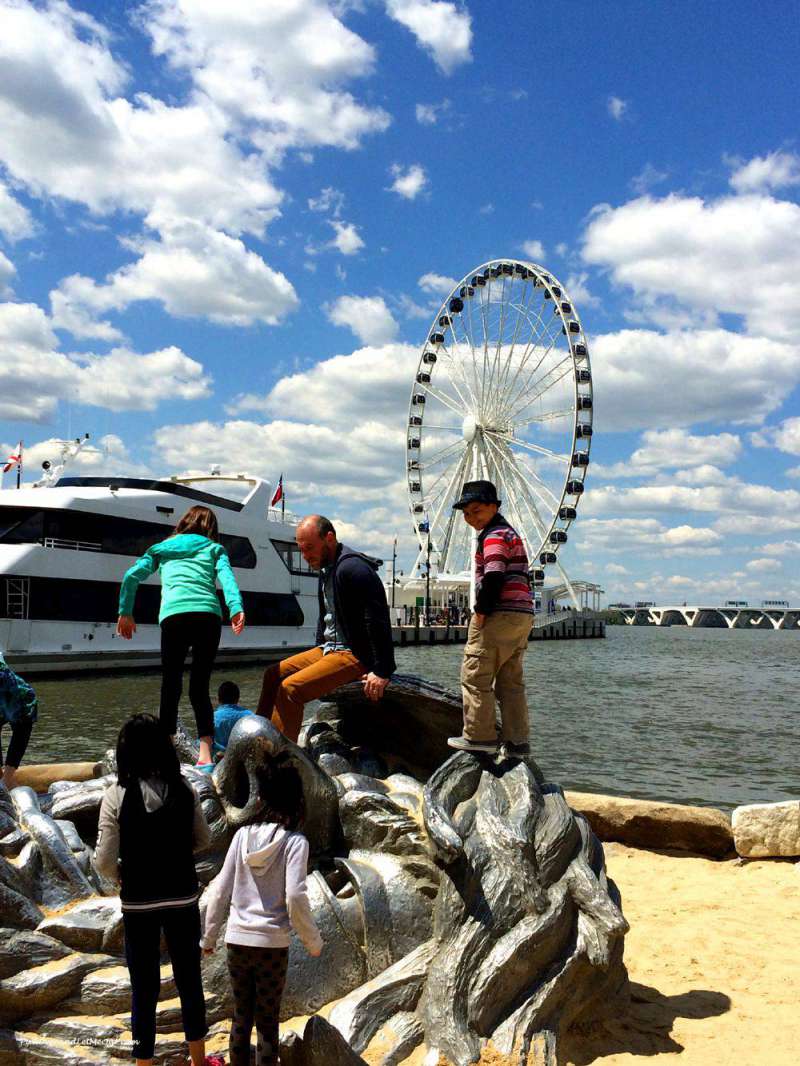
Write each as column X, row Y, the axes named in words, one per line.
column 280, row 789
column 145, row 749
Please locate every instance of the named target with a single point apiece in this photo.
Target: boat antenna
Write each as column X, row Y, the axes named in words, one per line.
column 69, row 449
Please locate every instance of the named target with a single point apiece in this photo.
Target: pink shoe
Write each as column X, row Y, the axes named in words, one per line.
column 214, row 1060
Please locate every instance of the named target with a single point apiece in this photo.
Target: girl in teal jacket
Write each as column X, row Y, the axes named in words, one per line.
column 191, row 562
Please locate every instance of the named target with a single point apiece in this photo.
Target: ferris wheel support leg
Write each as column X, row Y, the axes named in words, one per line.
column 568, row 583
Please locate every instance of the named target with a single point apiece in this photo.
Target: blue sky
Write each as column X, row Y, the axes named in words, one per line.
column 225, row 228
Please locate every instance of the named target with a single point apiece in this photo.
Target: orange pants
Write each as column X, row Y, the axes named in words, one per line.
column 291, row 684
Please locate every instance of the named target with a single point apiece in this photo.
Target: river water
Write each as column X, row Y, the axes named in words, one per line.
column 705, row 716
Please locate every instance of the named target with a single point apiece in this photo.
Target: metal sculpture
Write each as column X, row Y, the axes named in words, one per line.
column 471, row 910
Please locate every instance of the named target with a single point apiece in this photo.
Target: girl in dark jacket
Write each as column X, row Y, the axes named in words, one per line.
column 150, row 824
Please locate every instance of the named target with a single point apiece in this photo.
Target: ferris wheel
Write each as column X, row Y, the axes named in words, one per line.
column 502, row 391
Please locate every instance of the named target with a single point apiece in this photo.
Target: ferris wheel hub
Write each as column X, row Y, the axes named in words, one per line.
column 469, row 427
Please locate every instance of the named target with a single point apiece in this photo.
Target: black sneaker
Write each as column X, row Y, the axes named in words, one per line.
column 463, row 743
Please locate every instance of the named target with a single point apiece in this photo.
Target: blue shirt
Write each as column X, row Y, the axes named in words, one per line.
column 332, row 639
column 225, row 718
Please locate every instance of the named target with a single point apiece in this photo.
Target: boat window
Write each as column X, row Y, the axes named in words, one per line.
column 110, row 534
column 21, row 525
column 65, row 599
column 292, row 557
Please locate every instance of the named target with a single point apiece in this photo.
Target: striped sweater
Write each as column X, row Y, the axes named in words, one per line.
column 501, row 570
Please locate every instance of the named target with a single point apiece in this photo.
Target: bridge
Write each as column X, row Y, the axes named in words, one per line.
column 701, row 617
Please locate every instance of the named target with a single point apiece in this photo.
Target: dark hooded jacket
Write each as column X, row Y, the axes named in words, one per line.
column 362, row 613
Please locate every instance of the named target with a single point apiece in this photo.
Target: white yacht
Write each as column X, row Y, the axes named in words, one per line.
column 65, row 544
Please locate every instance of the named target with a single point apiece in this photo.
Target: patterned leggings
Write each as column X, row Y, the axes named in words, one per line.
column 257, row 979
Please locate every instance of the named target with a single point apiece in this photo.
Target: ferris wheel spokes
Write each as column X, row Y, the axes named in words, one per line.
column 498, row 360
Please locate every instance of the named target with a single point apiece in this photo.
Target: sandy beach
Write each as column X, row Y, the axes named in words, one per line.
column 713, row 961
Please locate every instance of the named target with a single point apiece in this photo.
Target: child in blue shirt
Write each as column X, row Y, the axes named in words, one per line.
column 18, row 708
column 226, row 716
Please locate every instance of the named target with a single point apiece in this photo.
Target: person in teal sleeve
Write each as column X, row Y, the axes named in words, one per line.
column 191, row 562
column 18, row 708
column 226, row 716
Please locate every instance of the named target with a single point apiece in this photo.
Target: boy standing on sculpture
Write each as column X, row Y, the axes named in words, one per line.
column 498, row 630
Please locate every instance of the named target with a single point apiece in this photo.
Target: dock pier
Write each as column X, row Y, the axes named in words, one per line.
column 566, row 625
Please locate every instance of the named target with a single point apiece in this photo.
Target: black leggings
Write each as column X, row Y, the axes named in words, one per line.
column 200, row 631
column 20, row 735
column 182, row 933
column 257, row 979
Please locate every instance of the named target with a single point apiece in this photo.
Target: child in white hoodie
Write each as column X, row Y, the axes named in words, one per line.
column 264, row 880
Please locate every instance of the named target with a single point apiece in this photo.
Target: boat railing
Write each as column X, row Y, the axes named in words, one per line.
column 72, row 545
column 542, row 619
column 288, row 518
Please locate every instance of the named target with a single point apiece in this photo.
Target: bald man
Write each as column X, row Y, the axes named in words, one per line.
column 354, row 633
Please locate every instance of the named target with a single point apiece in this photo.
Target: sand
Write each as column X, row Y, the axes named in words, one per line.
column 714, row 961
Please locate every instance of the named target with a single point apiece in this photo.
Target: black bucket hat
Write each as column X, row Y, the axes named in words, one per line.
column 477, row 492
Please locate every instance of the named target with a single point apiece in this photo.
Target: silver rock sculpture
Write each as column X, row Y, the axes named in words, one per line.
column 461, row 901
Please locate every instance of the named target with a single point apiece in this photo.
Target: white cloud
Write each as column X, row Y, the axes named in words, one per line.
column 631, row 534
column 783, row 547
column 738, row 507
column 367, row 316
column 647, row 177
column 192, row 271
column 616, row 568
column 686, row 257
column 793, row 471
column 763, row 565
column 429, row 114
column 34, row 375
column 441, row 28
column 347, row 239
column 577, row 287
column 776, row 170
column 329, row 200
column 274, row 65
column 65, row 131
column 437, row 284
column 408, row 183
column 533, row 250
column 617, row 107
column 641, row 377
column 669, row 448
column 7, row 272
column 785, row 436
column 15, row 220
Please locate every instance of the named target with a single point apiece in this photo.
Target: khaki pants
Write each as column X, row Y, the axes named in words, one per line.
column 492, row 669
column 289, row 685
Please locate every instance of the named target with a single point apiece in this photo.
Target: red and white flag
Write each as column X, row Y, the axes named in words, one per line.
column 278, row 496
column 14, row 459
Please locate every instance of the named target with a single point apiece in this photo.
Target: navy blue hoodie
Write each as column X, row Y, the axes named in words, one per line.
column 362, row 613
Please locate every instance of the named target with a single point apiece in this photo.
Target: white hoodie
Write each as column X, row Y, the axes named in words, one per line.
column 264, row 878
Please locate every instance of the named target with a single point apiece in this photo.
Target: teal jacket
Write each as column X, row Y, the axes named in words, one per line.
column 190, row 567
column 18, row 701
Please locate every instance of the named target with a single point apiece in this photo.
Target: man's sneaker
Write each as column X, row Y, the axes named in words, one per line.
column 518, row 750
column 463, row 743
